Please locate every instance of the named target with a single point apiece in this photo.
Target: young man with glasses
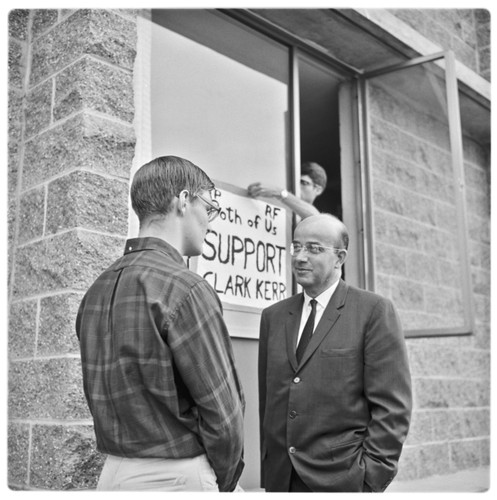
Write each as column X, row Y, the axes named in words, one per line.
column 157, row 359
column 334, row 384
column 313, row 181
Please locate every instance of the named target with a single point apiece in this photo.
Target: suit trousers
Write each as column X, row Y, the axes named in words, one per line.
column 157, row 474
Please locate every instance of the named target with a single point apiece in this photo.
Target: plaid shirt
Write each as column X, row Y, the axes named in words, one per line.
column 158, row 366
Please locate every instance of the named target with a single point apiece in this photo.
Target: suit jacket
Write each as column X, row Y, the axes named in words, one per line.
column 341, row 416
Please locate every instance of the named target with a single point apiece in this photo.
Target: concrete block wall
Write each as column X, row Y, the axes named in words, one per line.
column 71, row 145
column 418, row 266
column 465, row 31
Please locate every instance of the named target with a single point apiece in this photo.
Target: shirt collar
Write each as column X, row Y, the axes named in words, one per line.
column 151, row 243
column 324, row 297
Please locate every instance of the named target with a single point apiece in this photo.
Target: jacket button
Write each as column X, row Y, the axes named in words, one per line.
column 292, row 450
column 296, row 380
column 293, row 414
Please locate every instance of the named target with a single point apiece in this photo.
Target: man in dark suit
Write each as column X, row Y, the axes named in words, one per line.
column 334, row 383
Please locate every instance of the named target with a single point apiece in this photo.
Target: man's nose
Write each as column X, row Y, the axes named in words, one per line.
column 301, row 255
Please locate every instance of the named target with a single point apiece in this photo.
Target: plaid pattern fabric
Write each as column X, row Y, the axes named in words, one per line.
column 157, row 360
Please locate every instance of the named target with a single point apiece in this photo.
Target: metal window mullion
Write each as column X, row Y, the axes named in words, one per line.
column 455, row 131
column 369, row 253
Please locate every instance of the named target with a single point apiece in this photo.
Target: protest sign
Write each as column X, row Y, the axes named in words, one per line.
column 245, row 251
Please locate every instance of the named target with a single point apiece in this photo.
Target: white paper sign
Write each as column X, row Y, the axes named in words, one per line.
column 244, row 254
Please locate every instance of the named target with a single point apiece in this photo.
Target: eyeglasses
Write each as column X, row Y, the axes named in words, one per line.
column 312, row 248
column 303, row 182
column 213, row 207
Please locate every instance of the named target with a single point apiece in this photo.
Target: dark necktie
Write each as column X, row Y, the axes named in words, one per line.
column 307, row 332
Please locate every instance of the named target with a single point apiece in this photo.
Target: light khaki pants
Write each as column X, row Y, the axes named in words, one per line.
column 157, row 474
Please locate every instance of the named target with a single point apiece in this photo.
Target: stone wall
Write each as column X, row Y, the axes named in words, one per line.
column 418, row 265
column 465, row 31
column 71, row 145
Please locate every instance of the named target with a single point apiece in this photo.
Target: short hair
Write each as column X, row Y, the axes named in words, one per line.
column 316, row 172
column 156, row 183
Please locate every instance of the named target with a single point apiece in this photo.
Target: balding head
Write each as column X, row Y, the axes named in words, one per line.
column 319, row 252
column 329, row 227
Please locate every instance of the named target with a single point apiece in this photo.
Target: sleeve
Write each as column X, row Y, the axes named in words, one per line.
column 203, row 354
column 262, row 366
column 387, row 387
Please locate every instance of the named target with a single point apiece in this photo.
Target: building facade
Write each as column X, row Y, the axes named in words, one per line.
column 393, row 103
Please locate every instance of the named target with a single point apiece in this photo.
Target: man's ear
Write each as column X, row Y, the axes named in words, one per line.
column 342, row 256
column 319, row 189
column 182, row 200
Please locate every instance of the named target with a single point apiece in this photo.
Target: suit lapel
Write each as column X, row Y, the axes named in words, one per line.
column 328, row 319
column 292, row 327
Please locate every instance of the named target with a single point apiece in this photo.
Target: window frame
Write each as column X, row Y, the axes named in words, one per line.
column 448, row 64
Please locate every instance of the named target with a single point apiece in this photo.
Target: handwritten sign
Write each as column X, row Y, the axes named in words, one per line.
column 244, row 255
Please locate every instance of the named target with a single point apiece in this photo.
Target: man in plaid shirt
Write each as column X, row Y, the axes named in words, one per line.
column 157, row 360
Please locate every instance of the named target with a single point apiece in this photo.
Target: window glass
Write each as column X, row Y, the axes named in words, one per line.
column 420, row 235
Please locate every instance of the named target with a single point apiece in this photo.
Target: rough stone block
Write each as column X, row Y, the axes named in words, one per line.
column 478, row 203
column 91, row 85
column 88, row 200
column 482, row 16
column 391, row 260
column 15, row 116
column 441, row 424
column 64, row 458
column 448, row 273
column 470, row 423
column 429, row 361
column 43, row 19
column 481, row 335
column 392, row 228
column 18, row 23
column 477, row 178
column 31, row 215
column 481, row 281
column 434, row 459
column 465, row 454
column 475, row 364
column 408, row 464
column 485, row 452
column 445, row 217
column 442, row 244
column 482, row 308
column 419, row 265
column 16, row 67
column 70, row 260
column 84, row 141
column 420, row 430
column 382, row 285
column 408, row 294
column 101, row 33
column 446, row 301
column 22, row 329
column 446, row 393
column 479, row 229
column 18, row 454
column 38, row 115
column 475, row 155
column 47, row 388
column 433, row 158
column 57, row 335
column 466, row 54
column 417, row 320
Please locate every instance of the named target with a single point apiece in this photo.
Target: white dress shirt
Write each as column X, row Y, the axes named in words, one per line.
column 322, row 301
